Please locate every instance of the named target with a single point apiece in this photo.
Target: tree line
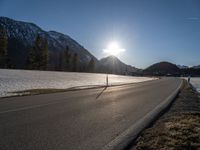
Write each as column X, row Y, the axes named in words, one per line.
column 69, row 61
column 3, row 49
column 38, row 57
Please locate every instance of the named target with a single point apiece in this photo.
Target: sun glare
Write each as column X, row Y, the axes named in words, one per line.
column 113, row 48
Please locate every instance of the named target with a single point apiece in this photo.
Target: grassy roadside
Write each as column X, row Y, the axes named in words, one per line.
column 76, row 88
column 38, row 91
column 178, row 129
column 48, row 91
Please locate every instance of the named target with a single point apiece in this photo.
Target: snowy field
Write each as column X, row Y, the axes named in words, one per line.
column 196, row 83
column 20, row 80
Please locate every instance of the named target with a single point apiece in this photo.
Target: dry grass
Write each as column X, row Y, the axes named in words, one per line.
column 178, row 129
column 180, row 132
column 39, row 91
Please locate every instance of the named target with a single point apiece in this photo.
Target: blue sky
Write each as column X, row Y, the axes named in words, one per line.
column 149, row 30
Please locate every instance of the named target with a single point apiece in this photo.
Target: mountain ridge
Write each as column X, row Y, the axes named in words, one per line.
column 162, row 68
column 22, row 35
column 113, row 64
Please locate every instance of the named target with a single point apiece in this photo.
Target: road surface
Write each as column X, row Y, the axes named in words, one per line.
column 78, row 120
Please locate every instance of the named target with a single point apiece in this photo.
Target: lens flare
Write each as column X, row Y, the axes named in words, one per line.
column 113, row 48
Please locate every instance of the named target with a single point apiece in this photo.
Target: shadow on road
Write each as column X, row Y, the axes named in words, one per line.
column 101, row 92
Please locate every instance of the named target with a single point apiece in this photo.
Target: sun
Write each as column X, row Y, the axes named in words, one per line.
column 113, row 48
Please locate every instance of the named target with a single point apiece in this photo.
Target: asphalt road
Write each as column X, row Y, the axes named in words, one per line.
column 78, row 120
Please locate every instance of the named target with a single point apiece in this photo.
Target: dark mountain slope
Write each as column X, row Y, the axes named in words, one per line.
column 112, row 64
column 21, row 37
column 162, row 68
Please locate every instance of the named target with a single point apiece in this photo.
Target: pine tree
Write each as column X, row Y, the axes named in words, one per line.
column 31, row 60
column 67, row 59
column 3, row 48
column 60, row 61
column 91, row 65
column 44, row 55
column 38, row 55
column 75, row 62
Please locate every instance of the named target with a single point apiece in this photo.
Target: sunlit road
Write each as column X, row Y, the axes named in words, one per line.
column 78, row 120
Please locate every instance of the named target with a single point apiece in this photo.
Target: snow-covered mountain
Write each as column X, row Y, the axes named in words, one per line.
column 187, row 67
column 182, row 67
column 112, row 64
column 21, row 37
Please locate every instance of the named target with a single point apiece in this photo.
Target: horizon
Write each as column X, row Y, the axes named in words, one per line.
column 175, row 29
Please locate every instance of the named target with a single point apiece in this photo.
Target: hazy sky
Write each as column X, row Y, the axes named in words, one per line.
column 149, row 30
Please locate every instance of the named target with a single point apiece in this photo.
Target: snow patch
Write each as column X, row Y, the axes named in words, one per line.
column 20, row 80
column 196, row 83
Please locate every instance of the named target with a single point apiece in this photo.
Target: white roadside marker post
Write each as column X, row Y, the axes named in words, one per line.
column 107, row 80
